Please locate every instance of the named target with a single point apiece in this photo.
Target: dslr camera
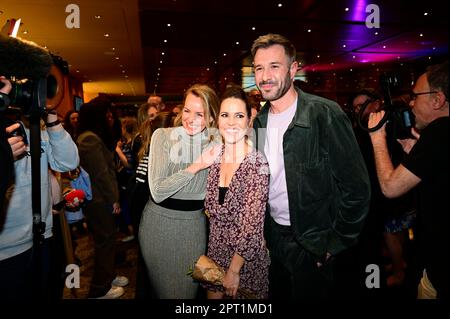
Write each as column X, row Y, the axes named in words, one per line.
column 398, row 116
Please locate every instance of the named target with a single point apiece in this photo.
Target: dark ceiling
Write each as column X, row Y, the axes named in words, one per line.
column 208, row 41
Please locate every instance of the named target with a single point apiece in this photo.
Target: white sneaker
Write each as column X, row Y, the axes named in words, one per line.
column 120, row 281
column 127, row 239
column 113, row 293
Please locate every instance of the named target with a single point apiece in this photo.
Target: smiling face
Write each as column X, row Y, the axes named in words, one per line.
column 193, row 115
column 233, row 120
column 274, row 72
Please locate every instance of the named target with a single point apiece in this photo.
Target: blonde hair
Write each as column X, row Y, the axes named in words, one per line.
column 210, row 101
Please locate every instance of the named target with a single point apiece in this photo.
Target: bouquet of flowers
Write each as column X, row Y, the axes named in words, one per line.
column 208, row 271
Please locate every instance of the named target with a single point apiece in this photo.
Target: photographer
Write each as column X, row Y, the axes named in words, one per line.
column 425, row 165
column 19, row 276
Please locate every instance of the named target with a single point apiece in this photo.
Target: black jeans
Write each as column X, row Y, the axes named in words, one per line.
column 294, row 273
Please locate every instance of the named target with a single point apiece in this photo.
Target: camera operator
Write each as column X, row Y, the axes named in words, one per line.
column 425, row 165
column 19, row 277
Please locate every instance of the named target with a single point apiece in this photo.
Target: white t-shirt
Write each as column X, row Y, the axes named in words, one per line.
column 277, row 125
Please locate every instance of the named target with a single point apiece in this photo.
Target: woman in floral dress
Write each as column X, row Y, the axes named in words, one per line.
column 237, row 191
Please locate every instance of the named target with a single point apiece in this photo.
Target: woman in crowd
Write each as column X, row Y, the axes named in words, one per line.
column 95, row 146
column 172, row 232
column 236, row 196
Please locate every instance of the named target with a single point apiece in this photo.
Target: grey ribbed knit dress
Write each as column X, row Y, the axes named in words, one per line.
column 172, row 240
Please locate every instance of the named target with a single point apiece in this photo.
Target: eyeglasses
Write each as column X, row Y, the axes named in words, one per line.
column 413, row 95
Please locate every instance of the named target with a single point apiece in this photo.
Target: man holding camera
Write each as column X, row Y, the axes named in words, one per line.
column 18, row 276
column 426, row 165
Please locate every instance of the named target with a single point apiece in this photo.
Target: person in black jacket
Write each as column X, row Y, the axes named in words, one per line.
column 319, row 187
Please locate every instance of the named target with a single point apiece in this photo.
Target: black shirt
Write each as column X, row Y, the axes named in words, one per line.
column 429, row 160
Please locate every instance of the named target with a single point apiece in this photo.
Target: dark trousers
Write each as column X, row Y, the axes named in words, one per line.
column 294, row 273
column 27, row 276
column 101, row 222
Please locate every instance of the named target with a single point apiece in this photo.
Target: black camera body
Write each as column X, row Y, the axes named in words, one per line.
column 27, row 96
column 398, row 116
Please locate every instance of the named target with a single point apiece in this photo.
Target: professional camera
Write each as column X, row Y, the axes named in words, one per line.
column 398, row 116
column 35, row 76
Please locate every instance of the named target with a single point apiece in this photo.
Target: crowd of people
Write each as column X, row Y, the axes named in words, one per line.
column 277, row 195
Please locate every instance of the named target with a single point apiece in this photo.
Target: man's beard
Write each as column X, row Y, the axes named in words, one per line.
column 280, row 92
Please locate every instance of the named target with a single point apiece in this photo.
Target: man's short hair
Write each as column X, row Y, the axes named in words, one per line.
column 270, row 39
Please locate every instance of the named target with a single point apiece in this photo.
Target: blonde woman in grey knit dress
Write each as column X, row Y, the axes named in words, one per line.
column 172, row 231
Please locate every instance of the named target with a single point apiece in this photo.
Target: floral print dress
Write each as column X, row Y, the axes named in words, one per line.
column 236, row 226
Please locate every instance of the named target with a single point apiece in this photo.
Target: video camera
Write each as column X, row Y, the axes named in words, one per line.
column 35, row 76
column 398, row 116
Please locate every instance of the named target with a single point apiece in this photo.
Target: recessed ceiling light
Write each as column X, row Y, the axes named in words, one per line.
column 106, row 35
column 421, row 35
column 398, row 57
column 318, row 56
column 169, row 25
column 113, row 49
column 344, row 46
column 165, row 41
column 354, row 57
column 351, row 70
column 78, row 71
column 280, row 5
column 237, row 42
column 309, row 30
column 224, row 54
column 162, row 53
column 117, row 58
column 97, row 16
column 384, row 47
column 346, row 9
column 253, row 28
column 160, row 61
column 434, row 48
column 376, row 33
column 207, row 69
column 123, row 71
column 215, row 62
column 121, row 93
column 429, row 58
column 425, row 13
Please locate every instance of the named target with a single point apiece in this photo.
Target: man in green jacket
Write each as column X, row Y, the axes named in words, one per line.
column 319, row 187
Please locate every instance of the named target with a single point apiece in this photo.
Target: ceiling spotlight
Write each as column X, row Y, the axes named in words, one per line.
column 106, row 35
column 346, row 9
column 162, row 53
column 253, row 28
column 207, row 69
column 237, row 42
column 123, row 71
column 280, row 5
column 215, row 62
column 117, row 58
column 344, row 46
column 78, row 71
column 160, row 61
column 376, row 33
column 425, row 13
column 309, row 30
column 318, row 56
column 354, row 57
column 113, row 49
column 384, row 47
column 434, row 48
column 97, row 16
column 169, row 25
column 421, row 35
column 165, row 41
column 121, row 94
column 224, row 54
